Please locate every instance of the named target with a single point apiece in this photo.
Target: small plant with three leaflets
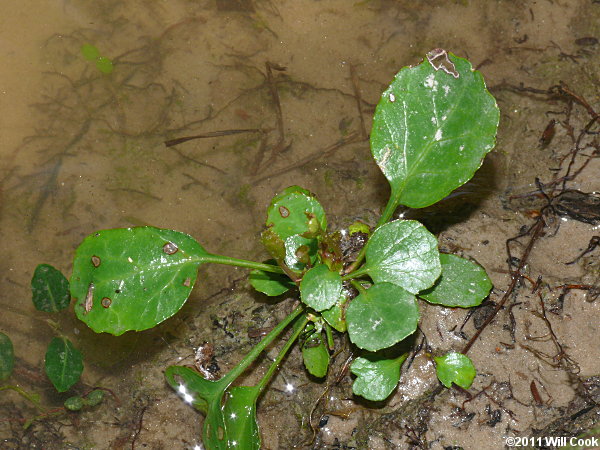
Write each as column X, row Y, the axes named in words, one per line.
column 432, row 128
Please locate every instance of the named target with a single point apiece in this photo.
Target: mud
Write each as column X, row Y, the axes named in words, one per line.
column 294, row 84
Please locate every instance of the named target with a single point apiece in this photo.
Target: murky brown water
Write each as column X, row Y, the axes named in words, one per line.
column 83, row 151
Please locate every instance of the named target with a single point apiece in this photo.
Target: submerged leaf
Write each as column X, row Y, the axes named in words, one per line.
column 376, row 376
column 133, row 278
column 455, row 368
column 432, row 128
column 320, row 287
column 64, row 364
column 382, row 316
column 7, row 357
column 50, row 289
column 463, row 283
column 403, row 252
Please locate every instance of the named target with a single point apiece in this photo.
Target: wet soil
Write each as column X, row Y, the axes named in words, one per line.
column 298, row 82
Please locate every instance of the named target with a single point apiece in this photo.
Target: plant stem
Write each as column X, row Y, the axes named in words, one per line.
column 356, row 274
column 296, row 331
column 258, row 348
column 361, row 290
column 226, row 260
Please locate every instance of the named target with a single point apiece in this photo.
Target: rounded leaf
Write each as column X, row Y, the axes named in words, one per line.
column 295, row 211
column 376, row 377
column 334, row 316
column 7, row 357
column 133, row 278
column 320, row 288
column 73, row 403
column 104, row 65
column 403, row 252
column 455, row 368
column 463, row 283
column 64, row 363
column 90, row 52
column 382, row 316
column 432, row 128
column 49, row 289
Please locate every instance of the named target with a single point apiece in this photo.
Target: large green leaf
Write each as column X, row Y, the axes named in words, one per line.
column 376, row 376
column 7, row 357
column 403, row 252
column 462, row 283
column 64, row 363
column 432, row 128
column 320, row 287
column 133, row 278
column 49, row 289
column 382, row 316
column 455, row 368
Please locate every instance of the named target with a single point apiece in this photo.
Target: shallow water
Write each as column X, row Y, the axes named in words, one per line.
column 82, row 150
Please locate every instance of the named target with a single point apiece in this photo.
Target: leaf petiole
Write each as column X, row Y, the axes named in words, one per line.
column 228, row 261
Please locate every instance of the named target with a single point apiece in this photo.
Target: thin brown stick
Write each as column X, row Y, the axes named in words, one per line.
column 210, row 134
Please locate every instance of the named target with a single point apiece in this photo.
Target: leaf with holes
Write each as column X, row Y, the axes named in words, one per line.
column 133, row 278
column 295, row 221
column 403, row 252
column 382, row 316
column 376, row 376
column 49, row 289
column 64, row 364
column 463, row 283
column 432, row 128
column 455, row 368
column 320, row 288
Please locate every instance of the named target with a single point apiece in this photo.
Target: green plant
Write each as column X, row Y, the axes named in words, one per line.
column 432, row 128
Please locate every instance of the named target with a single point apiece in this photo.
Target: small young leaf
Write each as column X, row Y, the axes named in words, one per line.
column 334, row 315
column 455, row 368
column 315, row 356
column 50, row 289
column 64, row 364
column 90, row 52
column 320, row 288
column 133, row 278
column 403, row 252
column 463, row 283
column 377, row 377
column 269, row 283
column 104, row 65
column 432, row 128
column 7, row 357
column 299, row 252
column 382, row 316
